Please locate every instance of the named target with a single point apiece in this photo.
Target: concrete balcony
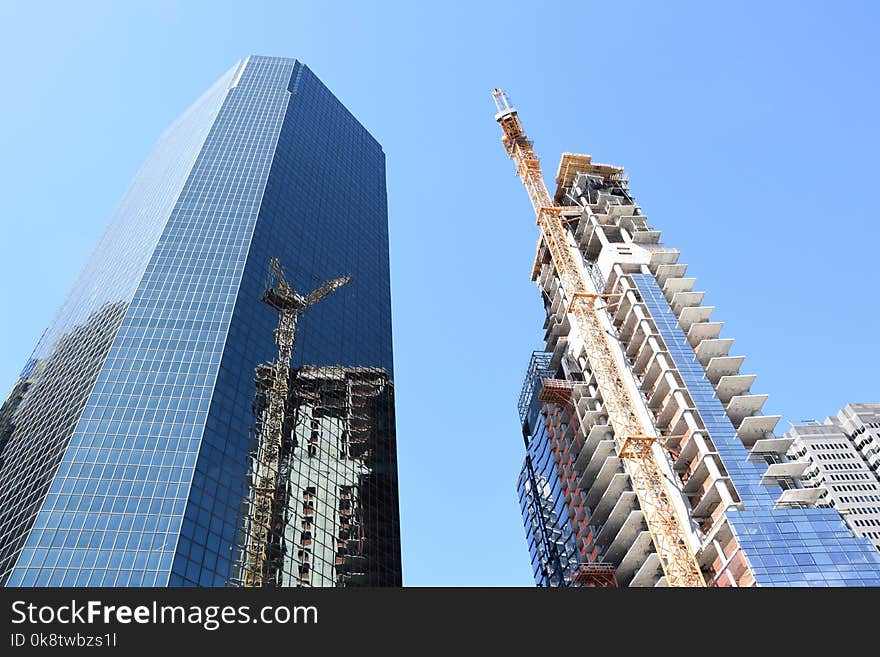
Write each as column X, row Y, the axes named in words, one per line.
column 682, row 300
column 689, row 448
column 604, row 450
column 639, row 550
column 634, row 223
column 602, row 499
column 551, row 286
column 616, row 208
column 665, row 272
column 587, row 395
column 679, row 424
column 646, row 237
column 756, row 427
column 703, row 331
column 558, row 351
column 562, row 326
column 584, row 224
column 640, row 336
column 730, row 386
column 796, row 498
column 742, row 406
column 578, row 507
column 665, row 256
column 652, row 370
column 699, row 472
column 720, row 366
column 597, row 433
column 590, row 418
column 590, row 241
column 664, row 385
column 690, row 316
column 618, row 543
column 780, row 472
column 627, row 318
column 650, row 574
column 545, row 275
column 769, row 446
column 675, row 285
column 585, row 414
column 673, row 406
column 553, row 341
column 713, row 348
column 719, row 532
column 557, row 327
column 645, row 354
column 705, row 501
column 624, row 508
column 550, row 290
column 558, row 302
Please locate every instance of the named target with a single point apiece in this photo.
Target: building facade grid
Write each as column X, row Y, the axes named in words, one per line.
column 145, row 482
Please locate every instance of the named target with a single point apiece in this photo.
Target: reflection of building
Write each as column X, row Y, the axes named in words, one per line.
column 38, row 418
column 842, row 456
column 340, row 523
column 125, row 460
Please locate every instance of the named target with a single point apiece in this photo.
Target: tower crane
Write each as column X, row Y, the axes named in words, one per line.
column 268, row 492
column 635, row 439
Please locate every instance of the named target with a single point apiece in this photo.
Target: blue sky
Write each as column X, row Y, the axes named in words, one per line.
column 748, row 131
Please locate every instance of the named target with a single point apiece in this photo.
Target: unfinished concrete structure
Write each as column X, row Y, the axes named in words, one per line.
column 658, row 440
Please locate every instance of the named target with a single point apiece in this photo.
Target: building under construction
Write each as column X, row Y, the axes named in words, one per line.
column 646, row 446
column 334, row 518
column 322, row 507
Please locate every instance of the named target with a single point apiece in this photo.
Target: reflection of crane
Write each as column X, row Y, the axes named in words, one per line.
column 268, row 494
column 283, row 298
column 636, row 442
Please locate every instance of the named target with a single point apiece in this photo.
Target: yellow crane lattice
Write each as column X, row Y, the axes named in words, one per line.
column 635, row 442
column 268, row 498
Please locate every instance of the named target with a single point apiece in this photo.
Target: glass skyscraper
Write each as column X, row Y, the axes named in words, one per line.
column 126, row 443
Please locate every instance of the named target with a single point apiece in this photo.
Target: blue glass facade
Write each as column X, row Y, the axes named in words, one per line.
column 784, row 547
column 549, row 533
column 147, row 472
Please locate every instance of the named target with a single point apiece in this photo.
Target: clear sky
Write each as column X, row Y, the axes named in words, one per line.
column 749, row 132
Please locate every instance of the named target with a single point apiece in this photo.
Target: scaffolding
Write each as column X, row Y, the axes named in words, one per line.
column 351, row 407
column 322, row 509
column 269, row 490
column 598, row 575
column 556, row 391
column 634, row 437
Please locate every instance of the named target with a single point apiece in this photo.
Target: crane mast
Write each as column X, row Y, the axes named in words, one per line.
column 268, row 489
column 635, row 440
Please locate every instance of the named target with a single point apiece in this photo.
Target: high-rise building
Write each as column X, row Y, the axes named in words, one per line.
column 839, row 453
column 342, row 524
column 325, row 514
column 683, row 495
column 127, row 441
column 861, row 422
